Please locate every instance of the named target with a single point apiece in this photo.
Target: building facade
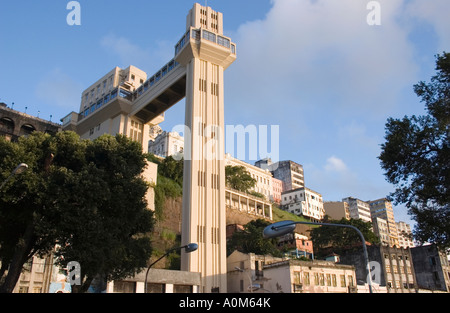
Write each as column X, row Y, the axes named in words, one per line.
column 106, row 108
column 358, row 209
column 294, row 276
column 392, row 268
column 297, row 244
column 303, row 202
column 404, row 235
column 158, row 281
column 14, row 124
column 167, row 144
column 336, row 210
column 289, row 172
column 431, row 268
column 381, row 230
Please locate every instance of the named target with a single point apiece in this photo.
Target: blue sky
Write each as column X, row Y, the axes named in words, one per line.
column 313, row 67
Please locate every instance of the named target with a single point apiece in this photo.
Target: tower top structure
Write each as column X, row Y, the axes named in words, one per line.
column 205, row 17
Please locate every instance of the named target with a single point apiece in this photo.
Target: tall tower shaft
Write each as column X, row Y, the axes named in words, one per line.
column 205, row 53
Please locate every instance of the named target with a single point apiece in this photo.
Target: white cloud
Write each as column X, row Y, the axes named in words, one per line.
column 323, row 54
column 335, row 164
column 59, row 89
column 434, row 12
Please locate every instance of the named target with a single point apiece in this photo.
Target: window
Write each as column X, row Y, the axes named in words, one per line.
column 316, row 279
column 297, row 278
column 343, row 284
column 223, row 41
column 124, row 287
column 333, row 278
column 156, row 288
column 182, row 289
column 350, row 280
column 306, row 279
column 328, row 279
column 209, row 36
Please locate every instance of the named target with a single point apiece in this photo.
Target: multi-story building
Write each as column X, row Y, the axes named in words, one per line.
column 36, row 276
column 264, row 273
column 303, row 202
column 297, row 244
column 358, row 209
column 166, row 144
column 277, row 189
column 289, row 172
column 404, row 235
column 105, row 108
column 294, row 276
column 382, row 208
column 336, row 210
column 431, row 268
column 392, row 268
column 381, row 230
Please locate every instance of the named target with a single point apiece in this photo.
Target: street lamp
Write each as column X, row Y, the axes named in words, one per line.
column 19, row 169
column 187, row 248
column 284, row 227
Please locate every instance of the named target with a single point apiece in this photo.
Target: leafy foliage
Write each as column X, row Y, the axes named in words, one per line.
column 251, row 240
column 416, row 158
column 238, row 178
column 341, row 238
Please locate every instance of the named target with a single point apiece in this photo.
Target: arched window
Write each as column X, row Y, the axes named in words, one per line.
column 26, row 130
column 7, row 125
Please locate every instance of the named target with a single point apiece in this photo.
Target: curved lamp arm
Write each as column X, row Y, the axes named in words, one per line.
column 188, row 249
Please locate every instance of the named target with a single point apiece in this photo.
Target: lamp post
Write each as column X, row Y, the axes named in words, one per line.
column 19, row 169
column 281, row 228
column 187, row 248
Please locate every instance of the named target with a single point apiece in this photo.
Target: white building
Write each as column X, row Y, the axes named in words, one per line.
column 405, row 235
column 358, row 209
column 303, row 201
column 166, row 144
column 264, row 273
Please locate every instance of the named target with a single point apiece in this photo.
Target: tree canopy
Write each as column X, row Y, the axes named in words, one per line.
column 237, row 177
column 251, row 240
column 416, row 158
column 341, row 238
column 85, row 197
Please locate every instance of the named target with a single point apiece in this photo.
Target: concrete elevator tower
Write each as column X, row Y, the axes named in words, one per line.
column 205, row 53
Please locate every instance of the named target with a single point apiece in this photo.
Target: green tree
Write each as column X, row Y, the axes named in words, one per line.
column 237, row 177
column 173, row 169
column 251, row 240
column 86, row 197
column 416, row 158
column 340, row 238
